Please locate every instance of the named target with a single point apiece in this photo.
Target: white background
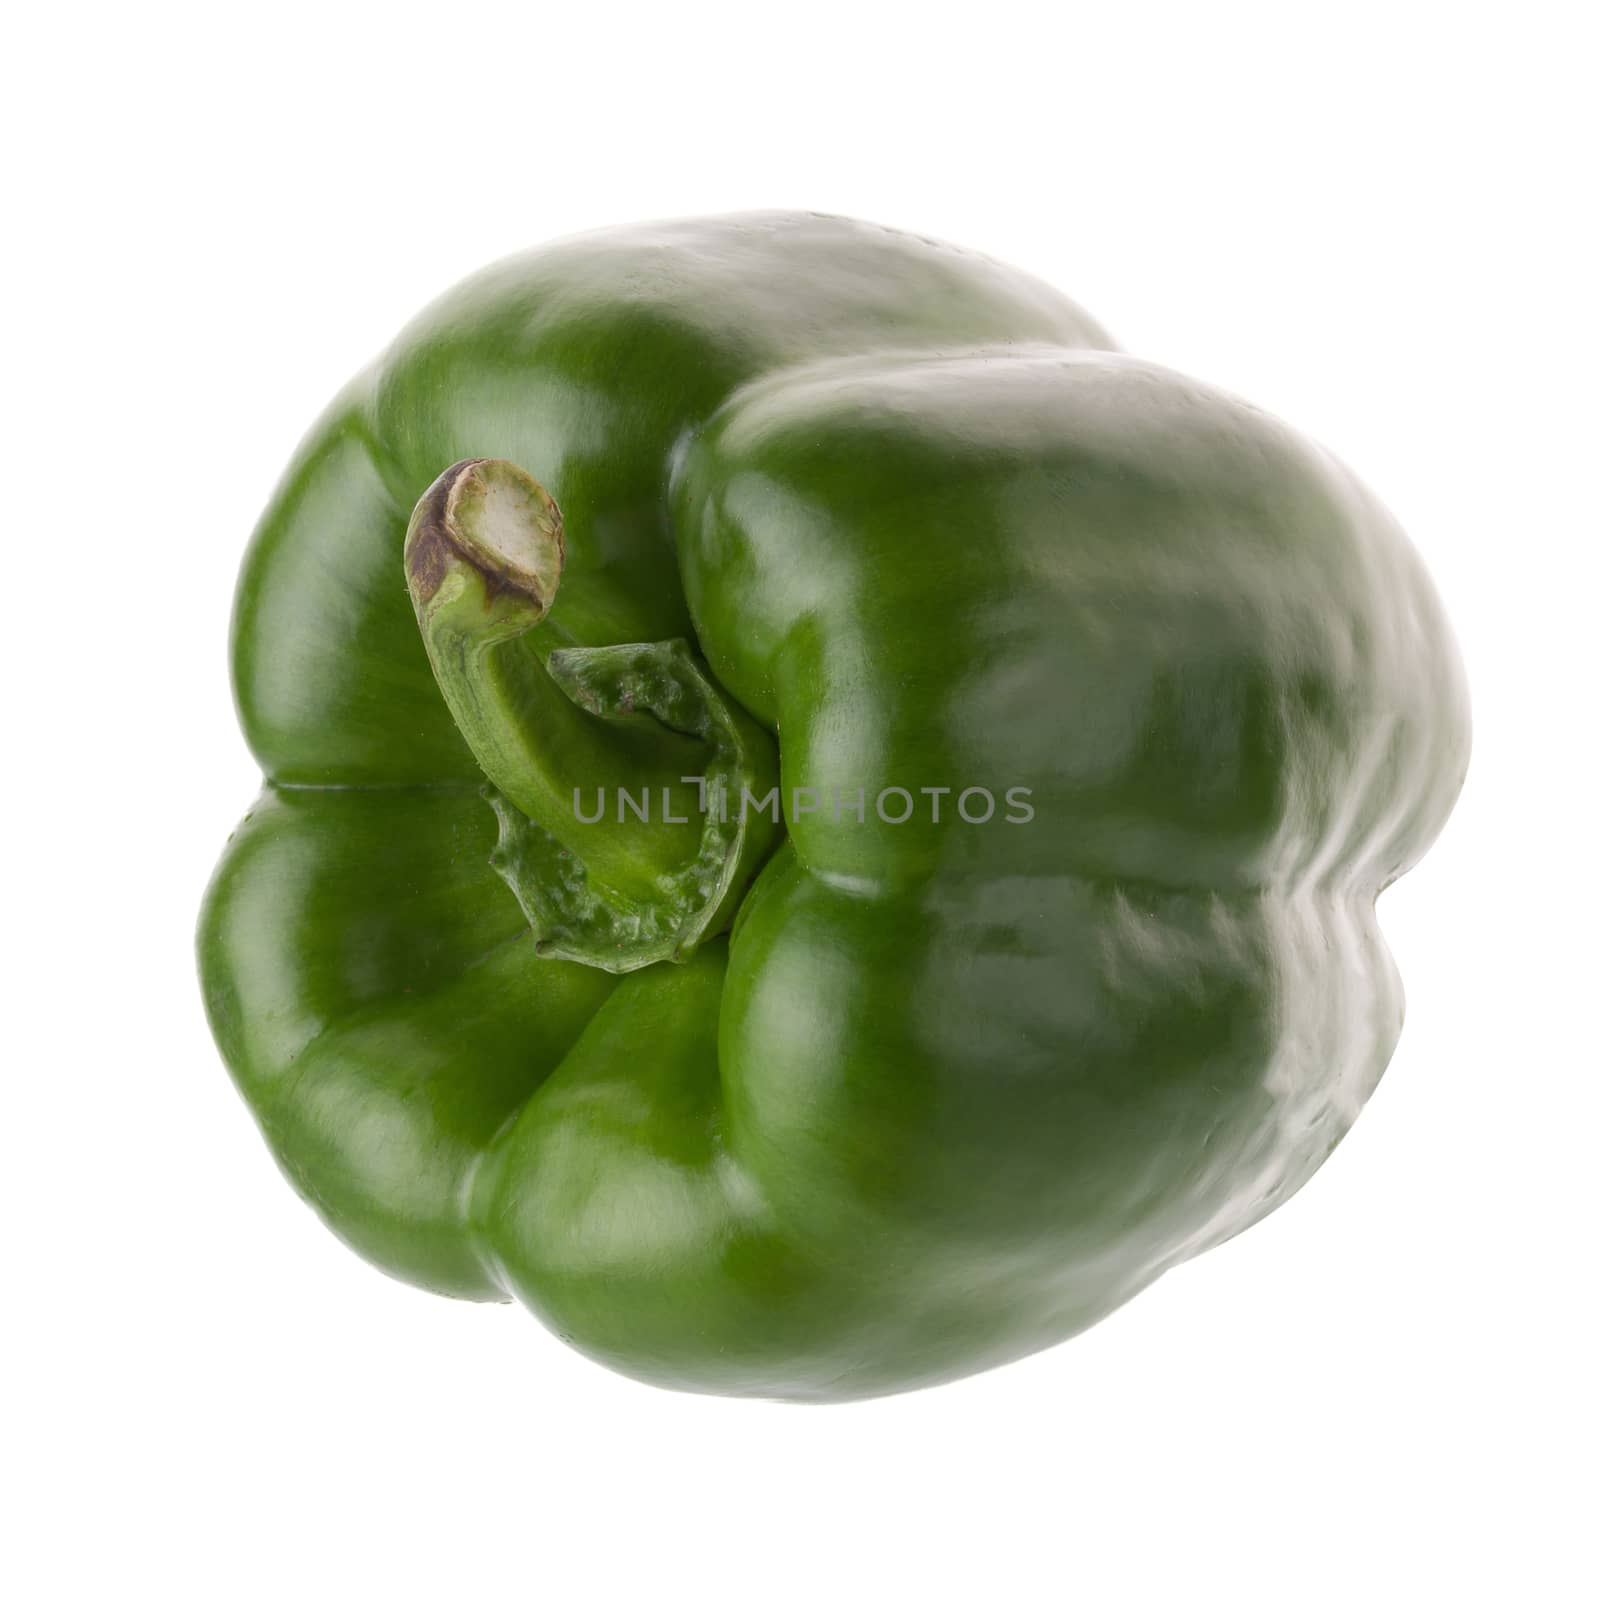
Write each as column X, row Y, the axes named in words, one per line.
column 1369, row 219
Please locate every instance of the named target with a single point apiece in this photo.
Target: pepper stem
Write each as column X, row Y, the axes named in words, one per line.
column 600, row 757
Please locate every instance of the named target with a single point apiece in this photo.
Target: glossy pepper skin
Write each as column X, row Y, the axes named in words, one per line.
column 948, row 1092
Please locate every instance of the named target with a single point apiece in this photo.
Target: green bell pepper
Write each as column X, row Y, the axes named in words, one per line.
column 1100, row 705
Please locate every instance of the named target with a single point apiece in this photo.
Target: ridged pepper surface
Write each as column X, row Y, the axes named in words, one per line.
column 835, row 1104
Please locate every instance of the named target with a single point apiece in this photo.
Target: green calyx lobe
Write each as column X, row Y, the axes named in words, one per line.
column 618, row 772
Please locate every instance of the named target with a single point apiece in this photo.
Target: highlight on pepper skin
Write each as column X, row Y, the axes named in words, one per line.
column 621, row 927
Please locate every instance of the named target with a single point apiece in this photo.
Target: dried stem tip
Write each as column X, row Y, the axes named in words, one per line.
column 494, row 518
